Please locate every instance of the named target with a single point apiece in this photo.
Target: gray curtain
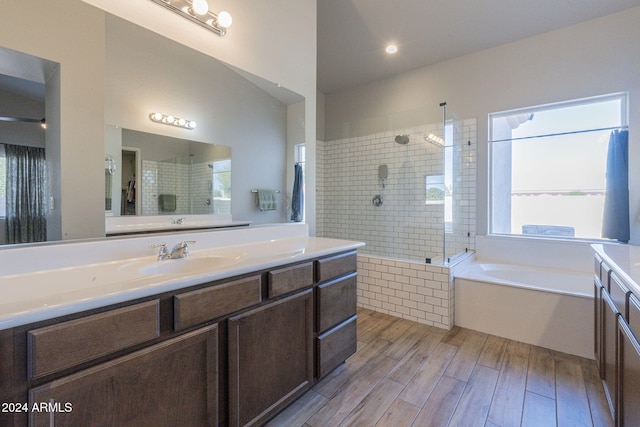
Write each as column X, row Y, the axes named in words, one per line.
column 26, row 194
column 615, row 222
column 297, row 199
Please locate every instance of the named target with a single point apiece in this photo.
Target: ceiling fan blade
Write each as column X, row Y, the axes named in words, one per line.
column 20, row 119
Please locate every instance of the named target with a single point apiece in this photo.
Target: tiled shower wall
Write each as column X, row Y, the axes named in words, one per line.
column 404, row 227
column 400, row 234
column 174, row 178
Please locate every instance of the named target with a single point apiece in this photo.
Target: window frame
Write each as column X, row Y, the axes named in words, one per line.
column 623, row 97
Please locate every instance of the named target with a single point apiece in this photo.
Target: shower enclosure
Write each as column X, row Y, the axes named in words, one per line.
column 408, row 192
column 191, row 184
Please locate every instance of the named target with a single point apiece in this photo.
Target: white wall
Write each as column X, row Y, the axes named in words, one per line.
column 148, row 73
column 275, row 40
column 593, row 58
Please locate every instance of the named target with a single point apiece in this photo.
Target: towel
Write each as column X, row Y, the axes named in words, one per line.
column 167, row 202
column 267, row 200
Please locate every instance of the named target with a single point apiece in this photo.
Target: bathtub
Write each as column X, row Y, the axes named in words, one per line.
column 544, row 307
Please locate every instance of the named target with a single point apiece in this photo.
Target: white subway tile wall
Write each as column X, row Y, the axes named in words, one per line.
column 419, row 292
column 400, row 234
column 404, row 227
column 175, row 179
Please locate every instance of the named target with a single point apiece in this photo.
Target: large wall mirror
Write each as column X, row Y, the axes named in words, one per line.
column 256, row 120
column 149, row 174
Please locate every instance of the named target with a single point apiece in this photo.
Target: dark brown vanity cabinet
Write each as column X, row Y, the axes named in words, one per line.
column 167, row 384
column 235, row 351
column 617, row 352
column 270, row 358
column 629, row 365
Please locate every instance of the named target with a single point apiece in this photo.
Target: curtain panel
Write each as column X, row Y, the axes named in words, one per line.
column 26, row 219
column 615, row 220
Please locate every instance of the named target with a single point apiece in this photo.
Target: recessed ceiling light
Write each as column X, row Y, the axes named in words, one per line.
column 392, row 48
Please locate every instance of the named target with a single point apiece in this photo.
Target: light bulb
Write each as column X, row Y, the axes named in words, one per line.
column 391, row 48
column 201, row 7
column 169, row 119
column 191, row 125
column 224, row 19
column 181, row 122
column 156, row 116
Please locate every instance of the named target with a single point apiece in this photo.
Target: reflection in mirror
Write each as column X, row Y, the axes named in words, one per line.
column 23, row 175
column 148, row 174
column 143, row 72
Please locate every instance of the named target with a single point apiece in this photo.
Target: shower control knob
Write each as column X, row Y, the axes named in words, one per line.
column 377, row 201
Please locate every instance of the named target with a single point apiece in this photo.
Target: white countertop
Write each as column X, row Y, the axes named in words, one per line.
column 115, row 225
column 625, row 262
column 59, row 288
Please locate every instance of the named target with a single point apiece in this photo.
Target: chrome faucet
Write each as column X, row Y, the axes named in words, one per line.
column 177, row 221
column 163, row 253
column 181, row 250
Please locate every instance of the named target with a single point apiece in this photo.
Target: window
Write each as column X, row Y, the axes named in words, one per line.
column 3, row 183
column 221, row 186
column 548, row 167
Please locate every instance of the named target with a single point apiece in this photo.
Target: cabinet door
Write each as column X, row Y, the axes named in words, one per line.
column 597, row 323
column 609, row 346
column 270, row 358
column 173, row 383
column 629, row 377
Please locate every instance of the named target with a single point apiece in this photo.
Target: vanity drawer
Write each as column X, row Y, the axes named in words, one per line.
column 57, row 347
column 336, row 301
column 289, row 279
column 335, row 266
column 192, row 308
column 619, row 294
column 335, row 346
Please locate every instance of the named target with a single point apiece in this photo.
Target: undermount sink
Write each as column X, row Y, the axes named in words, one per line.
column 190, row 265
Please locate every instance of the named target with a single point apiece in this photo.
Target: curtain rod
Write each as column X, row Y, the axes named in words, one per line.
column 561, row 134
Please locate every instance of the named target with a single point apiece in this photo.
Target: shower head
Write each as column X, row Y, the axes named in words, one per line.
column 402, row 139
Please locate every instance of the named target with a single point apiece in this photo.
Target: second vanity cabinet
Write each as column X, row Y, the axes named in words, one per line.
column 231, row 352
column 616, row 346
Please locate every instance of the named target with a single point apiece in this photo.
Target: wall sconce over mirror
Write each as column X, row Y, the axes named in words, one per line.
column 198, row 11
column 172, row 121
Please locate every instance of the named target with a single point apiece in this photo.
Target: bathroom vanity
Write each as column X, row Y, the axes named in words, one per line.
column 617, row 329
column 228, row 336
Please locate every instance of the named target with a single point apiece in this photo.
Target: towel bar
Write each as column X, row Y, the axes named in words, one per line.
column 255, row 191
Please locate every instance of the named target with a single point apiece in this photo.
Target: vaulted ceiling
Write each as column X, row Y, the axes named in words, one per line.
column 352, row 34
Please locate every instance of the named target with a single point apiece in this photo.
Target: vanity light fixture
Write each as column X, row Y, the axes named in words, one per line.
column 172, row 121
column 198, row 11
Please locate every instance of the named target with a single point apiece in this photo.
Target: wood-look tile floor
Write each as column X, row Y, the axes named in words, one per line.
column 409, row 374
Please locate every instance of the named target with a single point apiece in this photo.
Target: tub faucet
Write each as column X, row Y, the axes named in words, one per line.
column 181, row 250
